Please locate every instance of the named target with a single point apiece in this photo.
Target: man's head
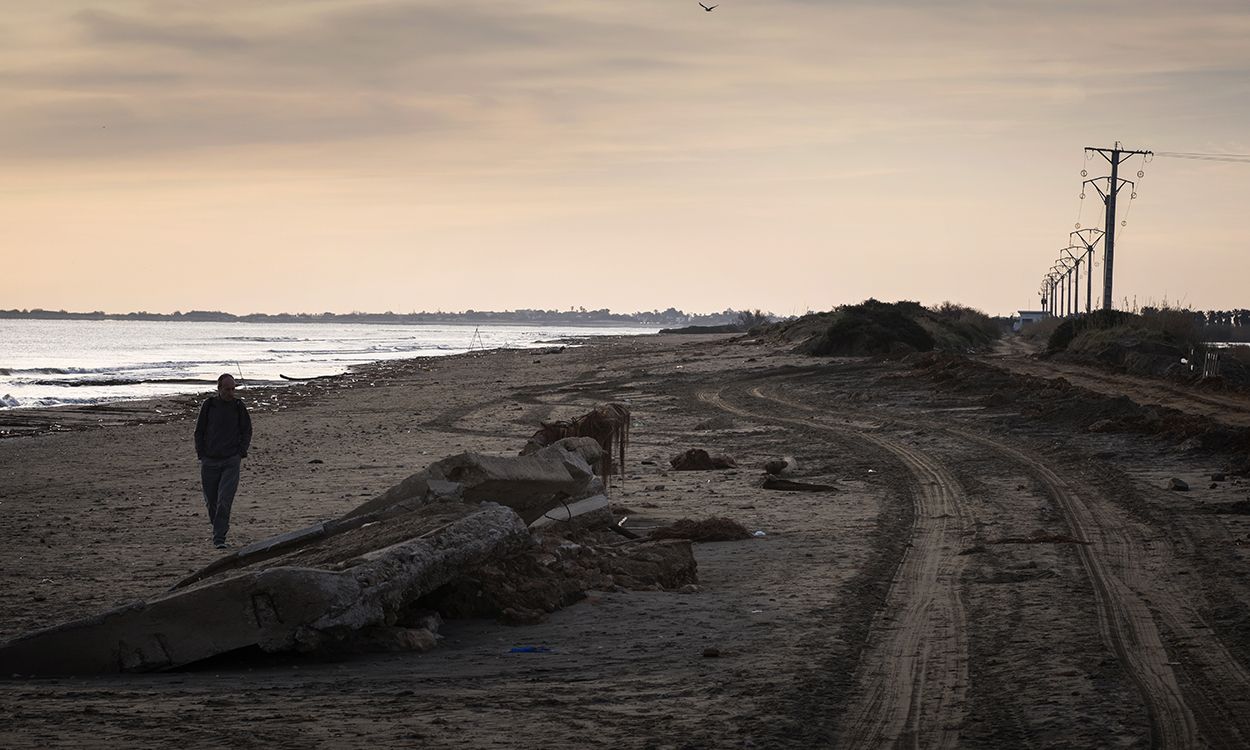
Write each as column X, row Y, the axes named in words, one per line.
column 225, row 386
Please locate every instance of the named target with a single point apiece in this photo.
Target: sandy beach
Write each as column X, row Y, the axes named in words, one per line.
column 987, row 571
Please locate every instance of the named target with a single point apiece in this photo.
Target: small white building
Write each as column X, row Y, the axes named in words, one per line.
column 1028, row 318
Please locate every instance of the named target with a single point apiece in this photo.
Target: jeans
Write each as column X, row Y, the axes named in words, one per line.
column 220, row 477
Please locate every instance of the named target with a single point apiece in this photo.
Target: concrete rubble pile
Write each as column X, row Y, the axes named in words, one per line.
column 470, row 536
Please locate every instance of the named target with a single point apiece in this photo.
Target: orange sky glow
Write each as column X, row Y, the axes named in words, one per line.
column 336, row 155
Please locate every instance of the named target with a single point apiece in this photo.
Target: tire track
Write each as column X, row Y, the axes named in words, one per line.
column 1206, row 699
column 1198, row 700
column 913, row 674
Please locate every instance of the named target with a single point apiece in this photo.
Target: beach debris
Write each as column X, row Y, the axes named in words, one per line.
column 712, row 529
column 530, row 650
column 697, row 459
column 382, row 576
column 557, row 571
column 711, row 652
column 783, row 465
column 1218, row 477
column 289, row 607
column 607, row 424
column 759, row 534
column 789, row 485
column 1176, row 485
column 591, row 510
column 530, row 484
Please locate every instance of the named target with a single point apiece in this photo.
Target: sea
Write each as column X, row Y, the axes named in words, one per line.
column 46, row 363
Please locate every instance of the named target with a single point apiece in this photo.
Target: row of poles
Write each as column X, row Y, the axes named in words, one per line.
column 1061, row 286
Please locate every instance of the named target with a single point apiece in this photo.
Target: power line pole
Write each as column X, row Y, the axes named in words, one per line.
column 1115, row 156
column 1088, row 238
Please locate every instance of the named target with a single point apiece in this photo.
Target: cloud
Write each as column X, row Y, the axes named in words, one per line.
column 109, row 28
column 570, row 80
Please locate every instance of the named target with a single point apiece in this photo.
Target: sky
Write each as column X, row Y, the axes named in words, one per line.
column 787, row 155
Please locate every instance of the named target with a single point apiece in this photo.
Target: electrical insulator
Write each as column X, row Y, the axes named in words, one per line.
column 1084, row 173
column 1140, row 174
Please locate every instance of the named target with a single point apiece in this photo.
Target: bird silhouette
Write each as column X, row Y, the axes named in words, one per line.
column 708, row 9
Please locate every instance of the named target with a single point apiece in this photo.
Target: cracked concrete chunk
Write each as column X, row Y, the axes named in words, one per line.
column 283, row 608
column 531, row 484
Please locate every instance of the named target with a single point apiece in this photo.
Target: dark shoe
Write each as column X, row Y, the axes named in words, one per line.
column 221, row 545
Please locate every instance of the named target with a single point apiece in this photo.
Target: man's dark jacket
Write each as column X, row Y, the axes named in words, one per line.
column 224, row 429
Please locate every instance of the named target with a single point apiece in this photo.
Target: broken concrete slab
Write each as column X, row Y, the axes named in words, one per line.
column 531, row 484
column 283, row 608
column 298, row 536
column 595, row 506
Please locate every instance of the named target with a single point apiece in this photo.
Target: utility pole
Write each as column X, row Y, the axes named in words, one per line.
column 1089, row 238
column 1076, row 277
column 1115, row 156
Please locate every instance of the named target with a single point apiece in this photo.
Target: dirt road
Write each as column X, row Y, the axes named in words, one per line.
column 976, row 579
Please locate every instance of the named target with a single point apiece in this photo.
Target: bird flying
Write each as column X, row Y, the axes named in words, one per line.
column 707, row 8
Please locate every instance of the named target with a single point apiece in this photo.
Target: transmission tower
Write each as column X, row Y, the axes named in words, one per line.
column 1115, row 156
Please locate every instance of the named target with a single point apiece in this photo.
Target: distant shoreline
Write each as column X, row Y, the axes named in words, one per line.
column 666, row 319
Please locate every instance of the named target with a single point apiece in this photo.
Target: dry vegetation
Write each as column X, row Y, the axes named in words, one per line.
column 891, row 328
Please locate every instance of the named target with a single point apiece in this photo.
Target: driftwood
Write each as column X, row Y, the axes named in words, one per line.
column 607, row 425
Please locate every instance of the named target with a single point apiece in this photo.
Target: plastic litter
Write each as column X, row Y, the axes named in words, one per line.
column 530, row 650
column 759, row 533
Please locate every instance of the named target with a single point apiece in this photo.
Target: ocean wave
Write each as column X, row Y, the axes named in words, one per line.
column 11, row 371
column 112, row 382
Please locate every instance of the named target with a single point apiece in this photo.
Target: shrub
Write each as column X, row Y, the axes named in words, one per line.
column 872, row 328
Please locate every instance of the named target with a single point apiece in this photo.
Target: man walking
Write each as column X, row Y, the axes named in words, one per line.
column 222, row 435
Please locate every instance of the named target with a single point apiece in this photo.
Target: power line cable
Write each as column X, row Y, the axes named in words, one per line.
column 1201, row 153
column 1226, row 158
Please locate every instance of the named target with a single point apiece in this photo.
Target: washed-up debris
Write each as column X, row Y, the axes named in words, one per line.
column 530, row 484
column 1176, row 485
column 783, row 465
column 713, row 529
column 556, row 571
column 788, row 485
column 608, row 425
column 697, row 459
column 283, row 608
column 452, row 540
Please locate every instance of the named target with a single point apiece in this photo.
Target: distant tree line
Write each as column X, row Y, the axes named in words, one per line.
column 1229, row 318
column 1212, row 325
column 573, row 316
